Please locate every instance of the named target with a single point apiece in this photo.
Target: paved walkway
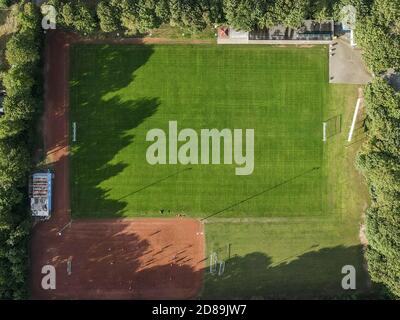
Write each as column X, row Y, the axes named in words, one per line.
column 346, row 65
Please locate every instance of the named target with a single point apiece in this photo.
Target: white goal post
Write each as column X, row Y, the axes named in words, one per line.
column 73, row 131
column 213, row 262
column 69, row 266
column 324, row 124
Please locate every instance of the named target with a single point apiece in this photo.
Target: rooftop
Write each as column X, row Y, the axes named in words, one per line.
column 40, row 194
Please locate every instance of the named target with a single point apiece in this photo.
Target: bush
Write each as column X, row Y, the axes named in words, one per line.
column 379, row 161
column 23, row 56
column 75, row 16
column 108, row 17
column 21, row 49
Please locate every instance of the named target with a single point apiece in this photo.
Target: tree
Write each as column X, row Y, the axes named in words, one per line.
column 21, row 49
column 387, row 12
column 17, row 81
column 244, row 14
column 162, row 10
column 66, row 15
column 380, row 47
column 19, row 106
column 129, row 19
column 108, row 17
column 290, row 13
column 146, row 15
column 4, row 3
column 213, row 12
column 379, row 161
column 14, row 164
column 28, row 17
column 22, row 53
column 84, row 21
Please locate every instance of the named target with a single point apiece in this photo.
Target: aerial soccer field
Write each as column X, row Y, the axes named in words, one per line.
column 291, row 217
column 119, row 93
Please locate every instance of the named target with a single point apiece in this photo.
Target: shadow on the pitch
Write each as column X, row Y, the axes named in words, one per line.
column 104, row 122
column 316, row 274
column 154, row 183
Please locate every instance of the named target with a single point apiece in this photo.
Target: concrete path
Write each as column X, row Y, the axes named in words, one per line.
column 346, row 65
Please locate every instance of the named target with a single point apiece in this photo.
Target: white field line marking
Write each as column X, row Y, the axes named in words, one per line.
column 324, row 131
column 74, row 131
column 69, row 267
column 353, row 123
column 64, row 227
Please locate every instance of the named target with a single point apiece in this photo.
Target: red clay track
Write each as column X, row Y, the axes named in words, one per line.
column 110, row 259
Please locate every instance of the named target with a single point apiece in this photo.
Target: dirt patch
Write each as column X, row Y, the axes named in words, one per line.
column 123, row 259
column 113, row 258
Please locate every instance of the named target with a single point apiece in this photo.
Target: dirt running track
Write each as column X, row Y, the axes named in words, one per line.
column 109, row 259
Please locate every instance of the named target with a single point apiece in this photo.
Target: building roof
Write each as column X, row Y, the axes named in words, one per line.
column 41, row 199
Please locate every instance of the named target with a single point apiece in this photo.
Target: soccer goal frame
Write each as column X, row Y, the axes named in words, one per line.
column 331, row 127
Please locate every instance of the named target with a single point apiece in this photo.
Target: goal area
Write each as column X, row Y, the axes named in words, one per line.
column 331, row 127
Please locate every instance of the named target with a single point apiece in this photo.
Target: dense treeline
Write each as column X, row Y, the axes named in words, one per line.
column 20, row 105
column 379, row 158
column 139, row 16
column 380, row 162
column 378, row 33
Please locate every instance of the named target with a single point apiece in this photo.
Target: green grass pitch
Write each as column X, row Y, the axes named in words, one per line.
column 118, row 93
column 300, row 227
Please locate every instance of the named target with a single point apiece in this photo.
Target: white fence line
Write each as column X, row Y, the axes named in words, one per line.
column 353, row 123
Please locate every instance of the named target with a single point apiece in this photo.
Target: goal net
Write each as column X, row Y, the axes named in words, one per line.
column 331, row 127
column 218, row 258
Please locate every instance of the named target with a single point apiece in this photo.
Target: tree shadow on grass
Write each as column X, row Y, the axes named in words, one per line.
column 121, row 265
column 312, row 275
column 103, row 125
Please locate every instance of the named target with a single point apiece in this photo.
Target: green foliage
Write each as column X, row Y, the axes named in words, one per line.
column 290, row 13
column 107, row 17
column 380, row 46
column 379, row 160
column 84, row 21
column 4, row 3
column 388, row 13
column 162, row 10
column 17, row 81
column 138, row 16
column 75, row 15
column 14, row 163
column 244, row 14
column 146, row 15
column 378, row 34
column 67, row 15
column 22, row 55
column 21, row 50
column 20, row 106
column 321, row 10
